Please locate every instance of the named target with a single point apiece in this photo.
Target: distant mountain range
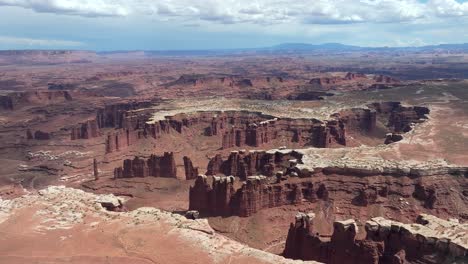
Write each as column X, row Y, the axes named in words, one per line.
column 303, row 48
column 285, row 48
column 343, row 47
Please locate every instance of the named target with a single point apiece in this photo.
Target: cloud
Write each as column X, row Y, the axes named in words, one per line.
column 7, row 40
column 86, row 8
column 448, row 8
column 263, row 12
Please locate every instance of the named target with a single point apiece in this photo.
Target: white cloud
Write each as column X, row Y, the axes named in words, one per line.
column 87, row 8
column 7, row 40
column 255, row 11
column 448, row 8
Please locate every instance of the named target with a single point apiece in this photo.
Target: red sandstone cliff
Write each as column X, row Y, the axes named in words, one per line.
column 346, row 188
column 86, row 130
column 343, row 247
column 40, row 97
column 154, row 166
column 190, row 171
column 430, row 241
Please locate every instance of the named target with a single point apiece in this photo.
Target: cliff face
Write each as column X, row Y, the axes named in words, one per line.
column 217, row 197
column 154, row 166
column 86, row 130
column 431, row 240
column 399, row 118
column 237, row 129
column 348, row 191
column 361, row 81
column 38, row 135
column 233, row 81
column 242, row 163
column 190, row 171
column 18, row 99
column 343, row 247
column 118, row 115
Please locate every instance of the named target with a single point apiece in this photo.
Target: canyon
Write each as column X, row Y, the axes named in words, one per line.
column 216, row 155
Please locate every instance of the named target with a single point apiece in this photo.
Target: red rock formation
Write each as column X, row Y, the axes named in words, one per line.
column 242, row 164
column 430, row 241
column 354, row 76
column 29, row 134
column 6, row 102
column 120, row 139
column 237, row 129
column 155, row 166
column 400, row 118
column 385, row 79
column 95, row 170
column 190, row 171
column 325, row 81
column 40, row 97
column 116, row 115
column 343, row 247
column 363, row 188
column 392, row 138
column 357, row 119
column 216, row 197
column 89, row 129
column 40, row 135
column 224, row 81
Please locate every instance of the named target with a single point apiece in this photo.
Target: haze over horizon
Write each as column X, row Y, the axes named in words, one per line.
column 188, row 25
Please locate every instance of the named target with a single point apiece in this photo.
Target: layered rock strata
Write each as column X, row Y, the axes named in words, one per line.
column 431, row 240
column 442, row 193
column 249, row 163
column 38, row 135
column 191, row 172
column 343, row 247
column 154, row 166
column 86, row 130
column 237, row 129
column 14, row 100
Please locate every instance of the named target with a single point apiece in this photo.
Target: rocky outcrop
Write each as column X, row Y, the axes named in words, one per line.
column 119, row 116
column 392, row 138
column 38, row 135
column 357, row 119
column 6, row 102
column 238, row 129
column 86, row 130
column 154, row 166
column 229, row 81
column 347, row 189
column 95, row 170
column 385, row 79
column 120, row 139
column 355, row 81
column 431, row 240
column 343, row 247
column 212, row 198
column 253, row 195
column 308, row 95
column 353, row 76
column 40, row 97
column 322, row 81
column 111, row 203
column 190, row 171
column 398, row 118
column 249, row 163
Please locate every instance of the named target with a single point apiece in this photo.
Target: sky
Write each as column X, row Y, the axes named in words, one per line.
column 224, row 24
